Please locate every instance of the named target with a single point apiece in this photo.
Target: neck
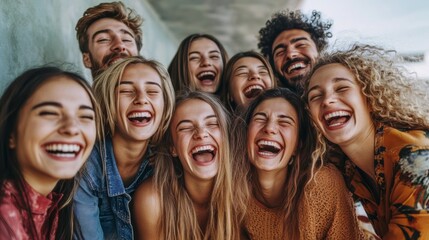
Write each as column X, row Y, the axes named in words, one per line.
column 41, row 184
column 271, row 187
column 128, row 155
column 200, row 193
column 361, row 151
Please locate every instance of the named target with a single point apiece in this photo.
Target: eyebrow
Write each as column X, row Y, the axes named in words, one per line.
column 59, row 105
column 196, row 52
column 337, row 79
column 245, row 67
column 148, row 82
column 189, row 121
column 294, row 40
column 282, row 116
column 109, row 31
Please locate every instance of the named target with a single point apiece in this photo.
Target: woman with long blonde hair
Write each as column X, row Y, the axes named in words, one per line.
column 190, row 194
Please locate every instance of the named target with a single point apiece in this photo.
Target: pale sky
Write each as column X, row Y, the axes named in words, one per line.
column 399, row 24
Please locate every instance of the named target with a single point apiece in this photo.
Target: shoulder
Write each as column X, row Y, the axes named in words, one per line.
column 327, row 183
column 146, row 198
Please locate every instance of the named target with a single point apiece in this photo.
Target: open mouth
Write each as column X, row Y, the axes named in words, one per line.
column 253, row 91
column 203, row 154
column 63, row 150
column 268, row 148
column 207, row 77
column 113, row 58
column 295, row 65
column 140, row 117
column 336, row 118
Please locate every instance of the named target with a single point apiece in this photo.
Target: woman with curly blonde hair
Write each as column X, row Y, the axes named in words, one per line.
column 371, row 115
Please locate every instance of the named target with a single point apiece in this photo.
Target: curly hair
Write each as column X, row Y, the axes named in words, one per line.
column 395, row 97
column 114, row 10
column 287, row 20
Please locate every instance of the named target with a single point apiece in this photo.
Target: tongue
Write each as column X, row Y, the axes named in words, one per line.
column 203, row 157
column 139, row 120
column 207, row 82
column 253, row 93
column 338, row 120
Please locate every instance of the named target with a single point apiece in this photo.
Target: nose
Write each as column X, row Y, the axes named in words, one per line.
column 200, row 133
column 140, row 99
column 118, row 45
column 254, row 76
column 69, row 126
column 329, row 99
column 271, row 128
column 292, row 53
column 206, row 61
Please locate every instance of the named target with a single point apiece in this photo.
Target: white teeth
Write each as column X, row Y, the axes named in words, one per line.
column 250, row 88
column 203, row 148
column 336, row 114
column 296, row 65
column 139, row 114
column 269, row 143
column 205, row 73
column 63, row 147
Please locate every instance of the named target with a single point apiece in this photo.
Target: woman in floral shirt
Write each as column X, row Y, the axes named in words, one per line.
column 374, row 120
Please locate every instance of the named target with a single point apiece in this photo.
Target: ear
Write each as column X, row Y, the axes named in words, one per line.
column 12, row 141
column 86, row 60
column 173, row 152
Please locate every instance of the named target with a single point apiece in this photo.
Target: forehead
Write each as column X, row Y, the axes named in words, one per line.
column 192, row 109
column 107, row 24
column 276, row 105
column 141, row 72
column 248, row 61
column 330, row 73
column 288, row 35
column 61, row 89
column 203, row 45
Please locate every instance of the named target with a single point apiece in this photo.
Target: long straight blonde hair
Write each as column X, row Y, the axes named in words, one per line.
column 178, row 217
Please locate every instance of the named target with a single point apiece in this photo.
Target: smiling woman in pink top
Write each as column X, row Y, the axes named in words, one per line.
column 48, row 128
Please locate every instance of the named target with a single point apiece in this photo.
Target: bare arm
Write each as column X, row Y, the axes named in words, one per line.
column 147, row 212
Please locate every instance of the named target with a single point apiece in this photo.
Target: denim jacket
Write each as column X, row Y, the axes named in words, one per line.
column 101, row 203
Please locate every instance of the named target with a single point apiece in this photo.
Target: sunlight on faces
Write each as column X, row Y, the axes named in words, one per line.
column 249, row 79
column 272, row 135
column 205, row 65
column 294, row 53
column 337, row 104
column 140, row 103
column 55, row 132
column 196, row 138
column 108, row 41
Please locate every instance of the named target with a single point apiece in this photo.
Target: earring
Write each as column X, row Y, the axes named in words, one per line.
column 292, row 158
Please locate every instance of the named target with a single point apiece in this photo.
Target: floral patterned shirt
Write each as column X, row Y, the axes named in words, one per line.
column 13, row 210
column 397, row 203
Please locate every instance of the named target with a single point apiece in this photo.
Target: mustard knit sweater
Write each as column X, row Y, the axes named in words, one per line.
column 326, row 212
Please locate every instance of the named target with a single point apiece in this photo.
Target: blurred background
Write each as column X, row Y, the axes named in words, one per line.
column 38, row 32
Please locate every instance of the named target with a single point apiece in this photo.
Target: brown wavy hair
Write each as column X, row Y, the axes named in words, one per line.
column 114, row 10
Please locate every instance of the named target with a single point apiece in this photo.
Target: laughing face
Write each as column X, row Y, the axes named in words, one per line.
column 140, row 103
column 338, row 106
column 250, row 77
column 272, row 135
column 294, row 52
column 205, row 65
column 55, row 133
column 108, row 41
column 196, row 138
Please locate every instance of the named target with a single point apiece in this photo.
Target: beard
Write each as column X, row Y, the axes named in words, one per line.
column 98, row 68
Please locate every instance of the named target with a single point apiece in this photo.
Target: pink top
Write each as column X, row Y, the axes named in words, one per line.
column 13, row 211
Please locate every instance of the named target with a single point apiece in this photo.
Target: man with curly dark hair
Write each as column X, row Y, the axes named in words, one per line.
column 292, row 42
column 108, row 32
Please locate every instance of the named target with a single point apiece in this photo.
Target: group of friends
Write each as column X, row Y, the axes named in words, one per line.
column 292, row 142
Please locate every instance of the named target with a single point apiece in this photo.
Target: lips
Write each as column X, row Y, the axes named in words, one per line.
column 268, row 148
column 206, row 77
column 336, row 118
column 113, row 57
column 140, row 117
column 295, row 65
column 63, row 150
column 203, row 154
column 253, row 91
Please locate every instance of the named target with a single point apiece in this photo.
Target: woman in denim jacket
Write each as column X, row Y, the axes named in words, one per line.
column 136, row 98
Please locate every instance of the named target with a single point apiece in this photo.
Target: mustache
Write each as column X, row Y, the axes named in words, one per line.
column 106, row 59
column 288, row 63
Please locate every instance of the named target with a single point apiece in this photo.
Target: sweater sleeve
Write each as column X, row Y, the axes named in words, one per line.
column 328, row 210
